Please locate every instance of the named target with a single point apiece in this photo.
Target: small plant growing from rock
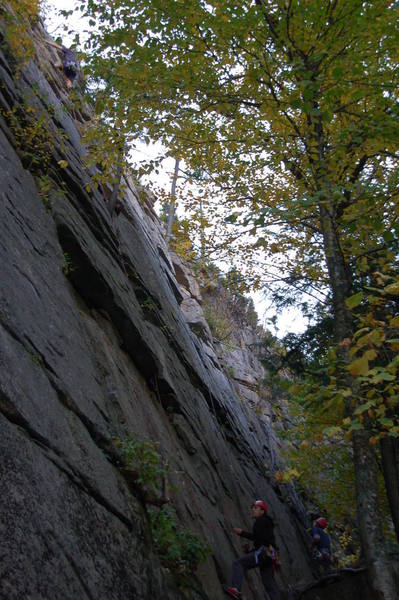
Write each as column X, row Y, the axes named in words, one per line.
column 32, row 135
column 179, row 549
column 67, row 267
column 142, row 467
column 231, row 372
column 45, row 184
column 20, row 16
column 219, row 323
column 148, row 304
column 34, row 358
column 46, row 188
column 258, row 410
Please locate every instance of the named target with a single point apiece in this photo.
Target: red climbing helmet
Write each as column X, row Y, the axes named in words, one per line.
column 261, row 504
column 321, row 522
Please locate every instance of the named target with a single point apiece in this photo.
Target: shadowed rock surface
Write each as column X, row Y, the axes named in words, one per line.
column 94, row 344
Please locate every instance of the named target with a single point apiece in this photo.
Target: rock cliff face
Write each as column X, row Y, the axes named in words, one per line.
column 101, row 335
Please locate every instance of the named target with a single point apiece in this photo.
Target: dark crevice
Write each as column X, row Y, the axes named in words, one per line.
column 41, row 357
column 143, row 296
column 164, row 257
column 14, row 416
column 251, row 386
column 84, row 205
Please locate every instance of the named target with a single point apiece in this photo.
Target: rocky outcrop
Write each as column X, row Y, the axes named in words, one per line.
column 238, row 355
column 98, row 340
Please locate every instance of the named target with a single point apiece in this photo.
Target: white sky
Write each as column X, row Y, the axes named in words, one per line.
column 289, row 320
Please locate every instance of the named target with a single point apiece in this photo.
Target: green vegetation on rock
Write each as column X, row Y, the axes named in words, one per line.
column 178, row 549
column 143, row 459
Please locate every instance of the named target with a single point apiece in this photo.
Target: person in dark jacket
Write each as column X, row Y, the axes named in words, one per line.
column 260, row 557
column 68, row 64
column 321, row 543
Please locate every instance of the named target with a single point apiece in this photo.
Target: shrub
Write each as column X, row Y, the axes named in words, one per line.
column 178, row 549
column 219, row 323
column 143, row 459
column 19, row 16
column 32, row 135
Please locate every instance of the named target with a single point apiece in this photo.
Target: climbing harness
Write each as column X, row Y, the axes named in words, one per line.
column 266, row 556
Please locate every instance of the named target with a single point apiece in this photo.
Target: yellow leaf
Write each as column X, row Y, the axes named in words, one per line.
column 361, row 332
column 394, row 322
column 393, row 289
column 370, row 354
column 376, row 337
column 360, row 366
column 63, row 164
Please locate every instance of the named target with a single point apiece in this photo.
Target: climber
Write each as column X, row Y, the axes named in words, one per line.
column 69, row 63
column 263, row 555
column 321, row 543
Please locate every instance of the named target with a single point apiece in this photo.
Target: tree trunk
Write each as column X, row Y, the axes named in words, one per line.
column 172, row 204
column 113, row 201
column 368, row 515
column 367, row 503
column 390, row 465
column 202, row 233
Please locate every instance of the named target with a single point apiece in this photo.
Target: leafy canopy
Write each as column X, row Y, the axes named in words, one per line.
column 284, row 105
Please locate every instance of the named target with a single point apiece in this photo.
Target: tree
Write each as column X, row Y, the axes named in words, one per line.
column 290, row 106
column 319, row 447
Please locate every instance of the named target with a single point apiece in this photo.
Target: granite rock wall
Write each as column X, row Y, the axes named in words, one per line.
column 100, row 339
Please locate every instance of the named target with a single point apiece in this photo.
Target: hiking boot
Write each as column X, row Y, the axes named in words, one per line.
column 232, row 591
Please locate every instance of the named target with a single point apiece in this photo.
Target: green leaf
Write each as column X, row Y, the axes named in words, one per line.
column 363, row 407
column 354, row 300
column 386, row 422
column 333, row 431
column 355, row 426
column 388, row 236
column 383, row 376
column 337, row 72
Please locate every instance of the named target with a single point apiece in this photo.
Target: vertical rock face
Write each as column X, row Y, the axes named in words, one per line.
column 98, row 339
